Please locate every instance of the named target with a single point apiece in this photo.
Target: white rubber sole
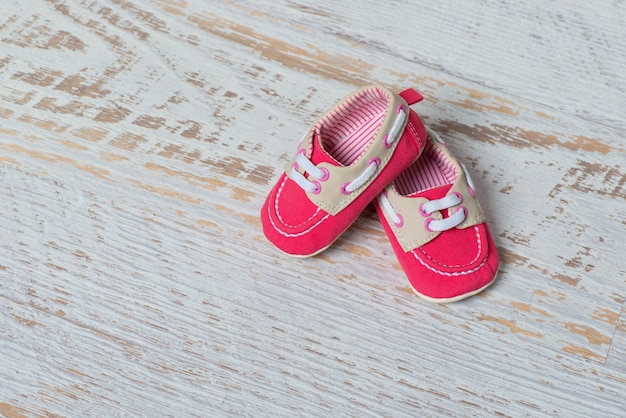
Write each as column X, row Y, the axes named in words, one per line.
column 455, row 298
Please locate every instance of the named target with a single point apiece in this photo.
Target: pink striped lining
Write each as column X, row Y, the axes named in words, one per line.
column 431, row 170
column 347, row 130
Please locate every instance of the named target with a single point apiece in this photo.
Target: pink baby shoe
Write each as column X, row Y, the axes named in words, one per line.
column 343, row 161
column 437, row 228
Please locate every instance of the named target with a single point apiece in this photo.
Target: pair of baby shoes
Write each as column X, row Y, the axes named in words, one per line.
column 372, row 146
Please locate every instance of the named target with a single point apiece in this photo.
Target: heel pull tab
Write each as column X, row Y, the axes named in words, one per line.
column 411, row 96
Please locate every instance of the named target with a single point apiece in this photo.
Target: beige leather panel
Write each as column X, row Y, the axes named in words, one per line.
column 413, row 234
column 331, row 199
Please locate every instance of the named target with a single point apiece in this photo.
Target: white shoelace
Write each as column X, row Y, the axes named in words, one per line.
column 444, row 203
column 395, row 128
column 316, row 174
column 386, row 205
column 372, row 166
column 436, row 225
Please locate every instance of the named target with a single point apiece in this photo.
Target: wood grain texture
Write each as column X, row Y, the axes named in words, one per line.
column 139, row 139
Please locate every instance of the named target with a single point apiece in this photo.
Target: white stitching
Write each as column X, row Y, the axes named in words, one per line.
column 299, row 234
column 458, row 273
column 420, row 140
column 280, row 218
column 458, row 265
column 455, row 274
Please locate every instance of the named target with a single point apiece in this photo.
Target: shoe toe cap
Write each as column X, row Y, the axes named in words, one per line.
column 455, row 265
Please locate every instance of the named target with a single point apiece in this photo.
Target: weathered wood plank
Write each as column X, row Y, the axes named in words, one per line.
column 562, row 57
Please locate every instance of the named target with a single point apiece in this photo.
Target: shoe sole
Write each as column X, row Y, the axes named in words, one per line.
column 455, row 298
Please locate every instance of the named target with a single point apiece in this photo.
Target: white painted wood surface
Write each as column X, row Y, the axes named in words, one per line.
column 139, row 139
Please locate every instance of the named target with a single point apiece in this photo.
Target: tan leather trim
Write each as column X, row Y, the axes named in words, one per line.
column 331, row 199
column 413, row 233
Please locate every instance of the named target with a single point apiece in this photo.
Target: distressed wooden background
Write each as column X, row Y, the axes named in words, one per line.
column 138, row 140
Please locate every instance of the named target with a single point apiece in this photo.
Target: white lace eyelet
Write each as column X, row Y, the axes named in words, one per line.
column 326, row 174
column 386, row 142
column 318, row 187
column 422, row 211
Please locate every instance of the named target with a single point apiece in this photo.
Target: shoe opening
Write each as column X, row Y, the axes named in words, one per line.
column 347, row 131
column 431, row 170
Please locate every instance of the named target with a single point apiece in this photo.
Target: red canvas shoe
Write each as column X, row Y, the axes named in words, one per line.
column 343, row 161
column 437, row 228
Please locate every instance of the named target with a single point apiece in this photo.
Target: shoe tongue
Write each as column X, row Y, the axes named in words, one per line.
column 434, row 193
